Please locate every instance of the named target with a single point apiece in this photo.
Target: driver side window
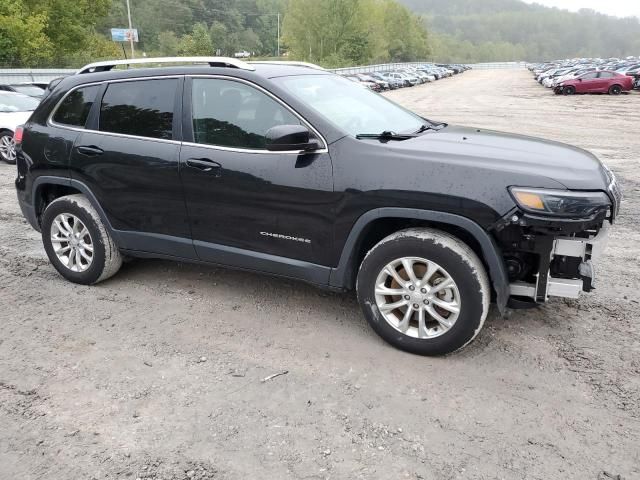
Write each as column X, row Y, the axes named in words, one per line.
column 232, row 114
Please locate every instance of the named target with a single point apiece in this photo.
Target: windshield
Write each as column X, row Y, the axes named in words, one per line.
column 16, row 102
column 28, row 89
column 353, row 109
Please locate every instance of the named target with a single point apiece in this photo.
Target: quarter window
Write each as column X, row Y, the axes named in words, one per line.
column 232, row 114
column 75, row 108
column 142, row 108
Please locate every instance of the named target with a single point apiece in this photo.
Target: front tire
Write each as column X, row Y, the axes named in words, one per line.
column 76, row 241
column 424, row 291
column 569, row 90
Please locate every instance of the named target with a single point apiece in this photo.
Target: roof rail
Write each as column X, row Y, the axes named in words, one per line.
column 287, row 62
column 212, row 61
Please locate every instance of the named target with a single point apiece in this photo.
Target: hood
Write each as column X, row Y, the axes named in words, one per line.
column 569, row 166
column 13, row 119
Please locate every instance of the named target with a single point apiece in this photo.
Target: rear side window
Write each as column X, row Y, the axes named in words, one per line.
column 606, row 75
column 75, row 108
column 142, row 108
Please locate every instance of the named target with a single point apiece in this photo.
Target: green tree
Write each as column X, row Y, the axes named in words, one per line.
column 219, row 36
column 168, row 44
column 344, row 32
column 69, row 24
column 23, row 38
column 198, row 42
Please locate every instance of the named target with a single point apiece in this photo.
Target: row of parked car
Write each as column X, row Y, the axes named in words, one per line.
column 409, row 76
column 589, row 75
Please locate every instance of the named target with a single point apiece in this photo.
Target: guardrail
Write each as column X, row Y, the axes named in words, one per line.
column 20, row 75
column 497, row 65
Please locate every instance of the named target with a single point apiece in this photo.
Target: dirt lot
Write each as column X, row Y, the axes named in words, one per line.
column 157, row 372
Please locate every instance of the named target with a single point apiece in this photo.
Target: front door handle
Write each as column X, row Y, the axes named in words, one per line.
column 89, row 150
column 206, row 165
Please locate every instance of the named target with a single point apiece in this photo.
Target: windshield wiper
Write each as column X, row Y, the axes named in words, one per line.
column 386, row 135
column 431, row 126
column 426, row 127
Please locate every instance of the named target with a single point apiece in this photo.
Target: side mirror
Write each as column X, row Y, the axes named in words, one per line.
column 579, row 79
column 283, row 138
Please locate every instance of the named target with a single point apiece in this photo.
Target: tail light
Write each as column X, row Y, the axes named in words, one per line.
column 17, row 135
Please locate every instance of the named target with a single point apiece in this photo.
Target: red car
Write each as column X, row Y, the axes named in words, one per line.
column 596, row 82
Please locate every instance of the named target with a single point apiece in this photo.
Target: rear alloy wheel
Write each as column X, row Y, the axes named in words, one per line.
column 72, row 242
column 569, row 90
column 615, row 90
column 424, row 291
column 76, row 241
column 7, row 147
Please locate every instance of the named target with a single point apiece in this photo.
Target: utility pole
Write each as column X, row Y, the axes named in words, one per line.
column 130, row 29
column 278, row 34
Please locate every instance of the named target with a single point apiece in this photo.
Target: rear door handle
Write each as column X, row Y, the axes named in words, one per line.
column 89, row 150
column 206, row 165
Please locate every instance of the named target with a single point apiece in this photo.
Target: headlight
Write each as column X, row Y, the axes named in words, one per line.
column 560, row 203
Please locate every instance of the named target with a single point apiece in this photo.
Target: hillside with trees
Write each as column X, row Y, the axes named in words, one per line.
column 68, row 33
column 499, row 30
column 330, row 32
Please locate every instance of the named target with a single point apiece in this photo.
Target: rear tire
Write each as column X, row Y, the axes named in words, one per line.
column 615, row 90
column 416, row 312
column 76, row 241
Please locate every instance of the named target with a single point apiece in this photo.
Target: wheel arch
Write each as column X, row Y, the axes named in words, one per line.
column 379, row 223
column 60, row 186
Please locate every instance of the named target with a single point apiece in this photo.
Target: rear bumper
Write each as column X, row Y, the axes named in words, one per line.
column 29, row 212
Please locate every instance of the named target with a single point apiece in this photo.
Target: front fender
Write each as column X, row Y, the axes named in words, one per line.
column 339, row 277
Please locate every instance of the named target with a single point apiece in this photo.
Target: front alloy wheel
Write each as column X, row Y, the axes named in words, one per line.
column 7, row 148
column 424, row 291
column 417, row 297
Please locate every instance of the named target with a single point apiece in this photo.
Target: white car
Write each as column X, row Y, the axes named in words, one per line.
column 15, row 109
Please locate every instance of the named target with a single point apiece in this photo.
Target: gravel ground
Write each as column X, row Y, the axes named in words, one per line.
column 157, row 373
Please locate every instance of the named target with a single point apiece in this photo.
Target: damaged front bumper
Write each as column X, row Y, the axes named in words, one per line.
column 581, row 252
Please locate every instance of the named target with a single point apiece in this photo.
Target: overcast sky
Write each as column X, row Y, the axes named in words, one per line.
column 620, row 8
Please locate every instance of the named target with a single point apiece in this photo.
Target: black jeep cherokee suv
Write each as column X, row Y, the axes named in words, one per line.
column 288, row 169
